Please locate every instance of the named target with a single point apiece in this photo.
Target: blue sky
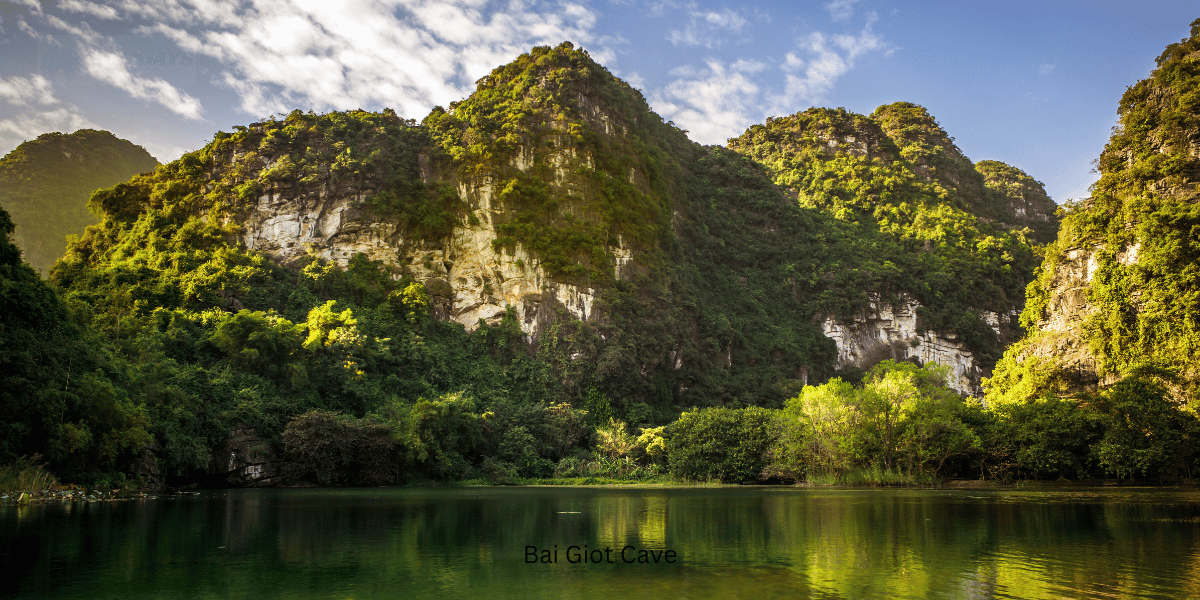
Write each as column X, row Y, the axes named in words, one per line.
column 1033, row 84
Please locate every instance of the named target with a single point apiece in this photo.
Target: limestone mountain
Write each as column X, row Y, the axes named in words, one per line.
column 546, row 242
column 951, row 248
column 45, row 184
column 1118, row 293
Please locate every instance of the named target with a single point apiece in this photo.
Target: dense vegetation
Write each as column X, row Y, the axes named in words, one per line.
column 160, row 333
column 45, row 184
column 61, row 389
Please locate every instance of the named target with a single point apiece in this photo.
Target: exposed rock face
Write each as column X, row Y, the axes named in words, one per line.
column 905, row 142
column 146, row 467
column 1017, row 200
column 1061, row 335
column 476, row 272
column 487, row 263
column 246, row 460
column 890, row 331
column 468, row 278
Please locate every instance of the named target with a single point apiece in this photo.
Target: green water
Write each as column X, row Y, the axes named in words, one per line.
column 728, row 543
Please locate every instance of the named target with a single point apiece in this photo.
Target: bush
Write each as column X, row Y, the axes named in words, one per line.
column 442, row 433
column 902, row 419
column 329, row 448
column 519, row 448
column 724, row 444
column 615, row 442
column 1048, row 437
column 1146, row 434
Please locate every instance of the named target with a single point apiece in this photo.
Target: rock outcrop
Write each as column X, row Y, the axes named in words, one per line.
column 554, row 184
column 890, row 331
column 246, row 460
column 897, row 173
column 469, row 279
column 477, row 273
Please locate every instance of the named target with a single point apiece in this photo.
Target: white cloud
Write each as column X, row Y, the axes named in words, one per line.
column 825, row 58
column 712, row 103
column 96, row 10
column 841, row 10
column 258, row 99
column 720, row 99
column 111, row 67
column 103, row 60
column 655, row 8
column 33, row 4
column 748, row 66
column 405, row 54
column 24, row 91
column 635, row 80
column 1046, row 69
column 276, row 55
column 725, row 19
column 708, row 28
column 34, row 110
column 164, row 153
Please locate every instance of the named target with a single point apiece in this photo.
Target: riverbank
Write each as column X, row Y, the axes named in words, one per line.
column 76, row 494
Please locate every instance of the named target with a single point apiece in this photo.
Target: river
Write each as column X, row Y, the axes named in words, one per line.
column 672, row 542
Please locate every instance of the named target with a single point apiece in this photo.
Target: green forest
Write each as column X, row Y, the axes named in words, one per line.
column 161, row 349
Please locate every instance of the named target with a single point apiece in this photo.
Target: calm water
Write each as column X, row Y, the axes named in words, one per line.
column 728, row 543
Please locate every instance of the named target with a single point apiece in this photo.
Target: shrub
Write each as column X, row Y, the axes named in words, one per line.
column 329, row 448
column 724, row 444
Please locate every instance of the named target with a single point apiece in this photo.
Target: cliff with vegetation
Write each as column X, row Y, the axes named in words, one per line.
column 356, row 297
column 45, row 185
column 1117, row 294
column 1105, row 379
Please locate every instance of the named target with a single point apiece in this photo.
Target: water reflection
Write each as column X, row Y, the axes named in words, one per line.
column 730, row 543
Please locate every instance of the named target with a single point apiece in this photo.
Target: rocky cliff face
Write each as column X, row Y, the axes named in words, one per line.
column 670, row 274
column 1016, row 200
column 1060, row 336
column 891, row 331
column 901, row 164
column 476, row 271
column 467, row 278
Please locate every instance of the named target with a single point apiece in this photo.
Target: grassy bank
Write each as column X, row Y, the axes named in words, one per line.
column 875, row 477
column 27, row 473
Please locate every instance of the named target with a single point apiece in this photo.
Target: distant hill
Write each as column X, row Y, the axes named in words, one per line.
column 45, row 185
